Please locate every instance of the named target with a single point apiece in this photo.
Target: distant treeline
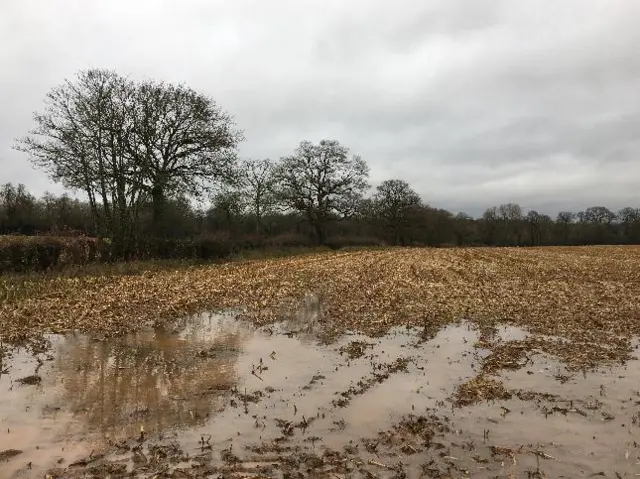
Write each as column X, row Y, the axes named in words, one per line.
column 415, row 224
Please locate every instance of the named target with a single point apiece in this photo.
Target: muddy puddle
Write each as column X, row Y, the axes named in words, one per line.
column 213, row 396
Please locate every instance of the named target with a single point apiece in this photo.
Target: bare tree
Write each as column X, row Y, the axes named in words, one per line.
column 510, row 211
column 563, row 224
column 629, row 215
column 511, row 215
column 392, row 203
column 18, row 210
column 463, row 228
column 565, row 217
column 229, row 204
column 599, row 224
column 322, row 182
column 122, row 142
column 538, row 225
column 257, row 179
column 183, row 142
column 600, row 215
column 82, row 140
column 630, row 219
column 489, row 223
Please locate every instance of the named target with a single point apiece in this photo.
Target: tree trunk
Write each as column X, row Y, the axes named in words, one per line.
column 258, row 211
column 158, row 200
column 320, row 232
column 397, row 239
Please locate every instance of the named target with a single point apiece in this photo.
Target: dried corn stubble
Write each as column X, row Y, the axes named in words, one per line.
column 590, row 296
column 480, row 388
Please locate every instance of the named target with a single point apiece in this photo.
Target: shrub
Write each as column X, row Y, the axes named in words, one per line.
column 288, row 241
column 249, row 242
column 339, row 242
column 38, row 253
column 212, row 247
column 165, row 248
column 446, row 245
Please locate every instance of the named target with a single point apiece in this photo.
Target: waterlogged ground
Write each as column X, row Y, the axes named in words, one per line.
column 213, row 396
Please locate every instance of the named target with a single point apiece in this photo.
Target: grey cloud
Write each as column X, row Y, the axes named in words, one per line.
column 474, row 103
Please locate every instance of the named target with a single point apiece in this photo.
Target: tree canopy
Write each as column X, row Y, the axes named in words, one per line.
column 258, row 184
column 123, row 142
column 392, row 205
column 322, row 182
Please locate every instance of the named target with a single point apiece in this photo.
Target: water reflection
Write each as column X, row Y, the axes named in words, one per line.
column 154, row 379
column 92, row 389
column 165, row 379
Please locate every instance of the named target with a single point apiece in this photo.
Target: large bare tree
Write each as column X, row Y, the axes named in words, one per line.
column 393, row 202
column 123, row 143
column 322, row 182
column 184, row 142
column 82, row 138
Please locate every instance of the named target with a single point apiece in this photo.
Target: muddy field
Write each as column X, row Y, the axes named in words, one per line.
column 392, row 363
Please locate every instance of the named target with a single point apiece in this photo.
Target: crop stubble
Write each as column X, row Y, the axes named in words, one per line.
column 580, row 304
column 588, row 295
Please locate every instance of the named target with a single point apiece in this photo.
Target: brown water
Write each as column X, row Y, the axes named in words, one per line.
column 215, row 385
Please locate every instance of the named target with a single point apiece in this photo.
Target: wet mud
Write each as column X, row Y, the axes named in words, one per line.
column 212, row 396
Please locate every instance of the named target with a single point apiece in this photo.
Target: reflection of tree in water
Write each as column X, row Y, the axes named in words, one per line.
column 156, row 379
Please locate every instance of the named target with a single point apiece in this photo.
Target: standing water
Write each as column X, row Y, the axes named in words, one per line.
column 212, row 394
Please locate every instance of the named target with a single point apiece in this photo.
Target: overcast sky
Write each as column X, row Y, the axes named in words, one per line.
column 474, row 103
